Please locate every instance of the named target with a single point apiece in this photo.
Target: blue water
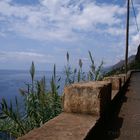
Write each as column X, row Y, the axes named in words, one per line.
column 12, row 80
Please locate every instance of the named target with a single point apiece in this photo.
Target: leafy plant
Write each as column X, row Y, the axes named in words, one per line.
column 40, row 106
column 69, row 72
column 94, row 73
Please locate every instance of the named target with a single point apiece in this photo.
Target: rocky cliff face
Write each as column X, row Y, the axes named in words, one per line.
column 138, row 54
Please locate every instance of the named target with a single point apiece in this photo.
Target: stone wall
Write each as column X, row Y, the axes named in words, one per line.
column 83, row 104
column 87, row 98
column 116, row 82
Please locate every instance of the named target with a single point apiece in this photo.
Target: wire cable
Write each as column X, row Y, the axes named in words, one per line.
column 137, row 26
column 134, row 11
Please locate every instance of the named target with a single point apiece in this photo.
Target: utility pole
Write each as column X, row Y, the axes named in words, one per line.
column 127, row 35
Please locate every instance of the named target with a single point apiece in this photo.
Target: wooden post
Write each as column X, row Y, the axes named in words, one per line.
column 127, row 36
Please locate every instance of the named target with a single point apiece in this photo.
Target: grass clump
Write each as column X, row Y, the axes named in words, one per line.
column 40, row 106
column 77, row 74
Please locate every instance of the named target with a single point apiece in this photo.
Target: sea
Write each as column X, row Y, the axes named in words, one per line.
column 12, row 80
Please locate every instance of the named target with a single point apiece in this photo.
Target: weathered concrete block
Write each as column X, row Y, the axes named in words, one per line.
column 89, row 98
column 128, row 75
column 116, row 82
column 123, row 78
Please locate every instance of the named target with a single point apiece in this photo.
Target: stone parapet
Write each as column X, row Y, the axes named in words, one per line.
column 123, row 78
column 116, row 82
column 66, row 126
column 87, row 98
column 128, row 75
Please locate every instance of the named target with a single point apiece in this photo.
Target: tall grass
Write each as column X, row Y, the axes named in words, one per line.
column 77, row 75
column 40, row 104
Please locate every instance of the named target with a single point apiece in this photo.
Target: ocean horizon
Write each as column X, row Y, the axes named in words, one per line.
column 12, row 80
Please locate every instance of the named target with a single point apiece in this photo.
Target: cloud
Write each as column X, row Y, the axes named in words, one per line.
column 26, row 57
column 137, row 1
column 134, row 42
column 98, row 14
column 59, row 20
column 136, row 38
column 2, row 34
column 87, row 22
column 115, row 31
column 134, row 34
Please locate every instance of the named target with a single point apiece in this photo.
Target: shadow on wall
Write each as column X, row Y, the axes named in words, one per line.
column 108, row 126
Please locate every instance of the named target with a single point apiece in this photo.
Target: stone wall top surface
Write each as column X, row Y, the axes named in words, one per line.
column 91, row 84
column 66, row 126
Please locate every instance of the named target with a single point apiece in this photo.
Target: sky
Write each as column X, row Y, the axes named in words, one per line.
column 43, row 31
